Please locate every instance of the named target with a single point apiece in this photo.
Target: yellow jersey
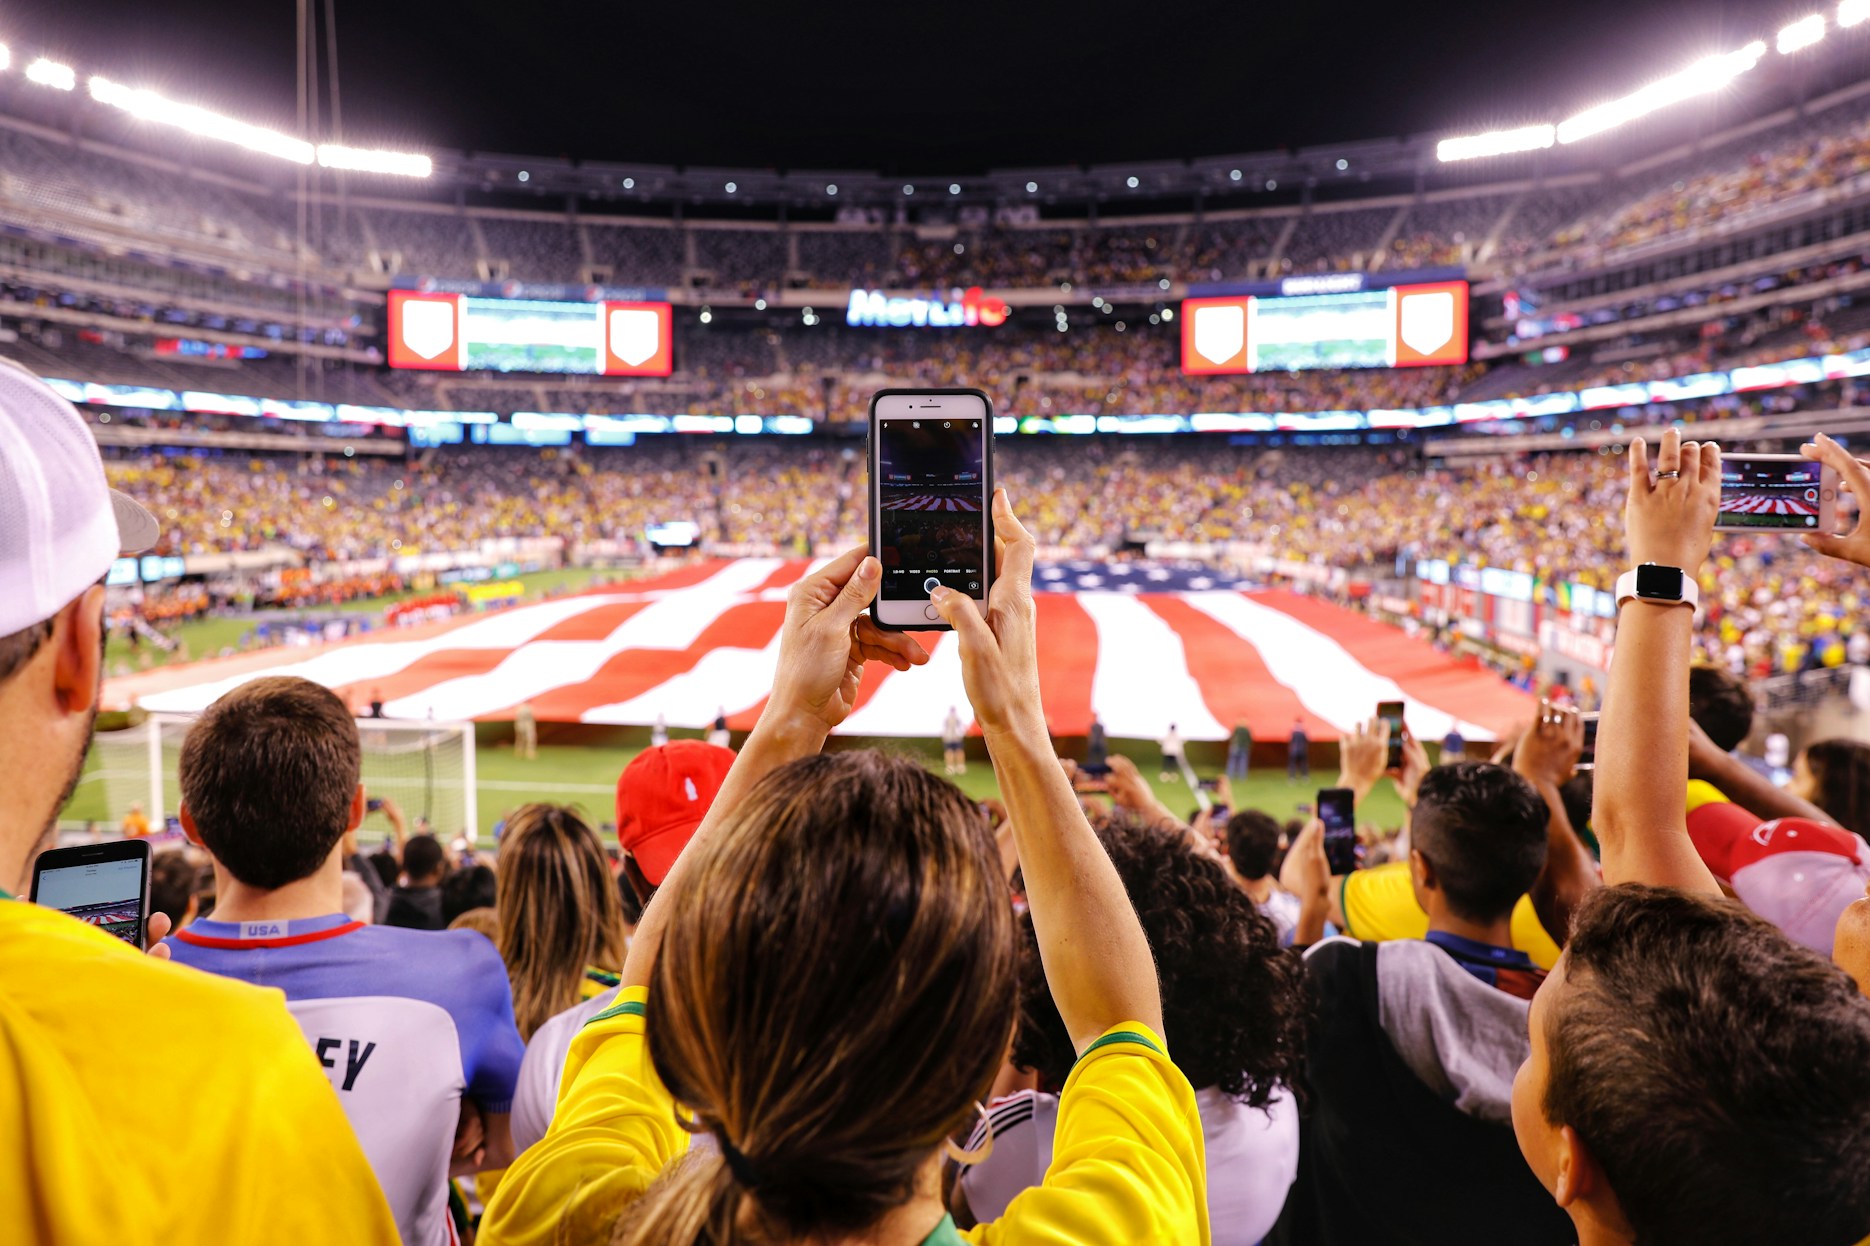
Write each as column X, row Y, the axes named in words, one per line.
column 146, row 1101
column 1128, row 1162
column 1379, row 905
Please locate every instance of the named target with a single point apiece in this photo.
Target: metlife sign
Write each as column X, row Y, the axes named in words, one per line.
column 879, row 309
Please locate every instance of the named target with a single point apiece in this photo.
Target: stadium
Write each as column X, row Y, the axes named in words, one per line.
column 530, row 459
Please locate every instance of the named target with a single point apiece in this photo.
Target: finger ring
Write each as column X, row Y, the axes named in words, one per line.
column 1669, row 475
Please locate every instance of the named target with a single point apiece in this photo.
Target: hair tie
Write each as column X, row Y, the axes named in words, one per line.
column 738, row 1164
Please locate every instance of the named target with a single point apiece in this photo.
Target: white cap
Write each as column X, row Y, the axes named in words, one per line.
column 61, row 526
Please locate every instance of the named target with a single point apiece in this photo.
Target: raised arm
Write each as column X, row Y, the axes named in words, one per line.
column 823, row 645
column 1547, row 757
column 1638, row 812
column 1096, row 957
column 1744, row 785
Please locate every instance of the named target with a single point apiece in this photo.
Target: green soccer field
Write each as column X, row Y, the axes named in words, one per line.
column 586, row 775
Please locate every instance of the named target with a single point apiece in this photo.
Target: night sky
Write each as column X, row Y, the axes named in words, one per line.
column 946, row 86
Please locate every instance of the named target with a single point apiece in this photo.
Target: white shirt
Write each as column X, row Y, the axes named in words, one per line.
column 1172, row 743
column 536, row 1096
column 1253, row 1157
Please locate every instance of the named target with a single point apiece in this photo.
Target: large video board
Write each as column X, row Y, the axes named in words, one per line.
column 1390, row 326
column 467, row 333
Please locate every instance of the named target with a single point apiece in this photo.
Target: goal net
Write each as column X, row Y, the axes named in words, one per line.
column 427, row 768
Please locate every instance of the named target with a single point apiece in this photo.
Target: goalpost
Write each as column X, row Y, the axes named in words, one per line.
column 427, row 768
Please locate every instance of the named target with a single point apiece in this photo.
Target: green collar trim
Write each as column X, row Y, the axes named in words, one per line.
column 628, row 1008
column 5, row 894
column 945, row 1234
column 1123, row 1036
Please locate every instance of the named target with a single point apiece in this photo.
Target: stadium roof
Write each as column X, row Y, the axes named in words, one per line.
column 937, row 94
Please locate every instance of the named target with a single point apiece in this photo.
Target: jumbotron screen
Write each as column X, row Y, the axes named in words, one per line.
column 466, row 333
column 1399, row 326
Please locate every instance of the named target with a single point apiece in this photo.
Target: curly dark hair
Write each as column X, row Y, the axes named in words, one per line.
column 1232, row 999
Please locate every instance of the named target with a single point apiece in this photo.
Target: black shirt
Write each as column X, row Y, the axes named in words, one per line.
column 418, row 908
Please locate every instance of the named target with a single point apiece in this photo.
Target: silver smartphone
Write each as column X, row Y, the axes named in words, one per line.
column 1765, row 493
column 931, row 492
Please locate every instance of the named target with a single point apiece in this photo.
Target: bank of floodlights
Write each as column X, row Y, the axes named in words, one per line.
column 1704, row 77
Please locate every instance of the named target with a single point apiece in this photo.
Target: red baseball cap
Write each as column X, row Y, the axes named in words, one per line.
column 663, row 795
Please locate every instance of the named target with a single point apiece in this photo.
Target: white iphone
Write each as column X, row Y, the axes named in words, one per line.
column 1766, row 493
column 931, row 494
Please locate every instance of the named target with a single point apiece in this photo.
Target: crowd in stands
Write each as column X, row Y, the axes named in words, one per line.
column 818, row 996
column 1365, row 509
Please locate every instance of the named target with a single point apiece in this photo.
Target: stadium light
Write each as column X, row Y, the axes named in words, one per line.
column 6, row 56
column 1032, row 188
column 52, row 74
column 149, row 106
column 1707, row 75
column 370, row 160
column 1801, row 34
column 1497, row 142
column 1851, row 12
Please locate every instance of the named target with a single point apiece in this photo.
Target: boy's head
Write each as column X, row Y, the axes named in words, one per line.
column 1478, row 839
column 1696, row 1076
column 269, row 777
column 1253, row 843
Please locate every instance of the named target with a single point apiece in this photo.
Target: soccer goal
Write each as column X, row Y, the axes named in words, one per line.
column 427, row 768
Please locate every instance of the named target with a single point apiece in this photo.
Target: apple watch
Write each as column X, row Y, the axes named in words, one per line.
column 1664, row 586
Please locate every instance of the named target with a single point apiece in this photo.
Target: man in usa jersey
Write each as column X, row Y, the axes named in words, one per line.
column 414, row 1028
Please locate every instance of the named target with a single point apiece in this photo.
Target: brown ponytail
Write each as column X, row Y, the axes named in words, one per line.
column 834, row 994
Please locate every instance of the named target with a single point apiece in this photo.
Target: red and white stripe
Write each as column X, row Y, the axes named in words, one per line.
column 704, row 639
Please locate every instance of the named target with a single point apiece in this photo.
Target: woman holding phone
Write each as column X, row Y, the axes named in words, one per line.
column 829, row 1073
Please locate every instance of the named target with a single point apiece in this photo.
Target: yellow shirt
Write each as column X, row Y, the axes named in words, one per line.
column 1379, row 905
column 142, row 1101
column 1128, row 1163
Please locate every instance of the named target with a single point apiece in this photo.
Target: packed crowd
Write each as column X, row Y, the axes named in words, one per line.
column 1362, row 509
column 1568, row 1013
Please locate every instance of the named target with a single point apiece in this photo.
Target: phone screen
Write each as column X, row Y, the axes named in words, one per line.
column 1772, row 493
column 1391, row 712
column 1337, row 809
column 106, row 894
column 931, row 506
column 1588, row 758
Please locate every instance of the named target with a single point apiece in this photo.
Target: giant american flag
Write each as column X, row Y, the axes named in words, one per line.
column 1143, row 647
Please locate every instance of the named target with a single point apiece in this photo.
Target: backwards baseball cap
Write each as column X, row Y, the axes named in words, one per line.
column 61, row 526
column 1800, row 875
column 662, row 798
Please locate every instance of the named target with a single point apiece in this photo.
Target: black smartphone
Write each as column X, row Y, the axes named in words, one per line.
column 1209, row 785
column 1337, row 809
column 373, row 803
column 1219, row 815
column 1391, row 712
column 931, row 501
column 105, row 885
column 1587, row 760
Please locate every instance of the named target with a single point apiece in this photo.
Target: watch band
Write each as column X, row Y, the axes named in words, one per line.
column 1658, row 585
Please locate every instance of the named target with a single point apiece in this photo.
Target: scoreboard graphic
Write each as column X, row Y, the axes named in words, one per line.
column 1371, row 326
column 467, row 333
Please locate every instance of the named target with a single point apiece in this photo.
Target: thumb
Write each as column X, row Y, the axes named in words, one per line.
column 958, row 612
column 1825, row 543
column 858, row 592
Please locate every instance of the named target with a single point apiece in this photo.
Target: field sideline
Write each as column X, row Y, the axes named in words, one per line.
column 586, row 775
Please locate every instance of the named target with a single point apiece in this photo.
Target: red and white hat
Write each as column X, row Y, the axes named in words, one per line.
column 1800, row 875
column 61, row 526
column 662, row 797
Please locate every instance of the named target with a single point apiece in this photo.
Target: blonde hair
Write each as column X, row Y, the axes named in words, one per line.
column 558, row 911
column 483, row 920
column 832, row 997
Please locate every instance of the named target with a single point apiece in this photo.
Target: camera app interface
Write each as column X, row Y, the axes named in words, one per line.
column 930, row 495
column 1769, row 495
column 107, row 894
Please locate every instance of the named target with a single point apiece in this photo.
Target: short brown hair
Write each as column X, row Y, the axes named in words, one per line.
column 17, row 648
column 1719, row 1072
column 268, row 773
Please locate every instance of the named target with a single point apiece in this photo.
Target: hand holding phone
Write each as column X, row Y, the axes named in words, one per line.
column 103, row 885
column 931, row 501
column 1337, row 809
